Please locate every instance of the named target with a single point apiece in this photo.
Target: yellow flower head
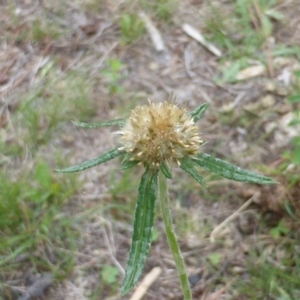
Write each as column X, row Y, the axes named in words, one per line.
column 158, row 133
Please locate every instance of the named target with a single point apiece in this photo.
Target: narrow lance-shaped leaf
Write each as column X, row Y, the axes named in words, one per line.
column 93, row 162
column 127, row 164
column 199, row 111
column 142, row 229
column 230, row 171
column 120, row 122
column 186, row 165
column 166, row 170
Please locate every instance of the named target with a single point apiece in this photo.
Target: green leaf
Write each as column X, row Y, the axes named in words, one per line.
column 93, row 162
column 155, row 235
column 109, row 274
column 296, row 155
column 279, row 230
column 166, row 170
column 120, row 122
column 127, row 164
column 230, row 171
column 229, row 72
column 43, row 175
column 294, row 98
column 215, row 258
column 274, row 14
column 199, row 111
column 286, row 51
column 267, row 26
column 187, row 165
column 142, row 229
column 297, row 73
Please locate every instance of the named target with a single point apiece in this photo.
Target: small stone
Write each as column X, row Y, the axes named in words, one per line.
column 268, row 101
column 238, row 270
column 270, row 86
column 253, row 107
column 282, row 91
column 68, row 139
column 153, row 66
column 226, row 108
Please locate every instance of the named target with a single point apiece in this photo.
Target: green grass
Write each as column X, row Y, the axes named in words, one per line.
column 163, row 9
column 132, row 28
column 55, row 100
column 33, row 219
column 36, row 218
column 267, row 280
column 36, row 224
column 254, row 22
column 242, row 32
column 113, row 74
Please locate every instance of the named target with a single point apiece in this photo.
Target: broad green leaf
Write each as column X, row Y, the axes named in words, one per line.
column 127, row 164
column 230, row 171
column 187, row 165
column 166, row 170
column 142, row 229
column 215, row 258
column 109, row 274
column 199, row 111
column 155, row 235
column 120, row 122
column 93, row 162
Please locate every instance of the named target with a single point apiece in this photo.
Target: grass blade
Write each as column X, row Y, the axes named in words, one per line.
column 230, row 171
column 93, row 162
column 199, row 111
column 120, row 122
column 186, row 165
column 142, row 229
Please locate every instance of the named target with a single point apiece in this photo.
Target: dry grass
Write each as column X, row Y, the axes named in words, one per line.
column 57, row 64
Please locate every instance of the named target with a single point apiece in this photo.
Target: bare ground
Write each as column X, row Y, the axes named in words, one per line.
column 188, row 70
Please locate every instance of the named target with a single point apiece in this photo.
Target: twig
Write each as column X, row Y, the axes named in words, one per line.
column 216, row 295
column 205, row 96
column 15, row 84
column 230, row 218
column 187, row 62
column 154, row 33
column 195, row 34
column 111, row 252
column 146, row 283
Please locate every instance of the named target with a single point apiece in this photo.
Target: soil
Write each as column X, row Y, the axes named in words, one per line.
column 245, row 124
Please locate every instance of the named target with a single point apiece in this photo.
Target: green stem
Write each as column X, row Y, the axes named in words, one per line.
column 167, row 218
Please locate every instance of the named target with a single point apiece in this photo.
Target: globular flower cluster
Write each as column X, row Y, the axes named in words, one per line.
column 160, row 133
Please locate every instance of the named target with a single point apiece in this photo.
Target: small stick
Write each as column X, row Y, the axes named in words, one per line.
column 146, row 283
column 154, row 33
column 230, row 218
column 195, row 34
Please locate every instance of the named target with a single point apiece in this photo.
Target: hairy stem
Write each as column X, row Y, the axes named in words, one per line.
column 167, row 218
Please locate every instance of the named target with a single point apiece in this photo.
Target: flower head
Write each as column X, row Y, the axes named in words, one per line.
column 159, row 133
